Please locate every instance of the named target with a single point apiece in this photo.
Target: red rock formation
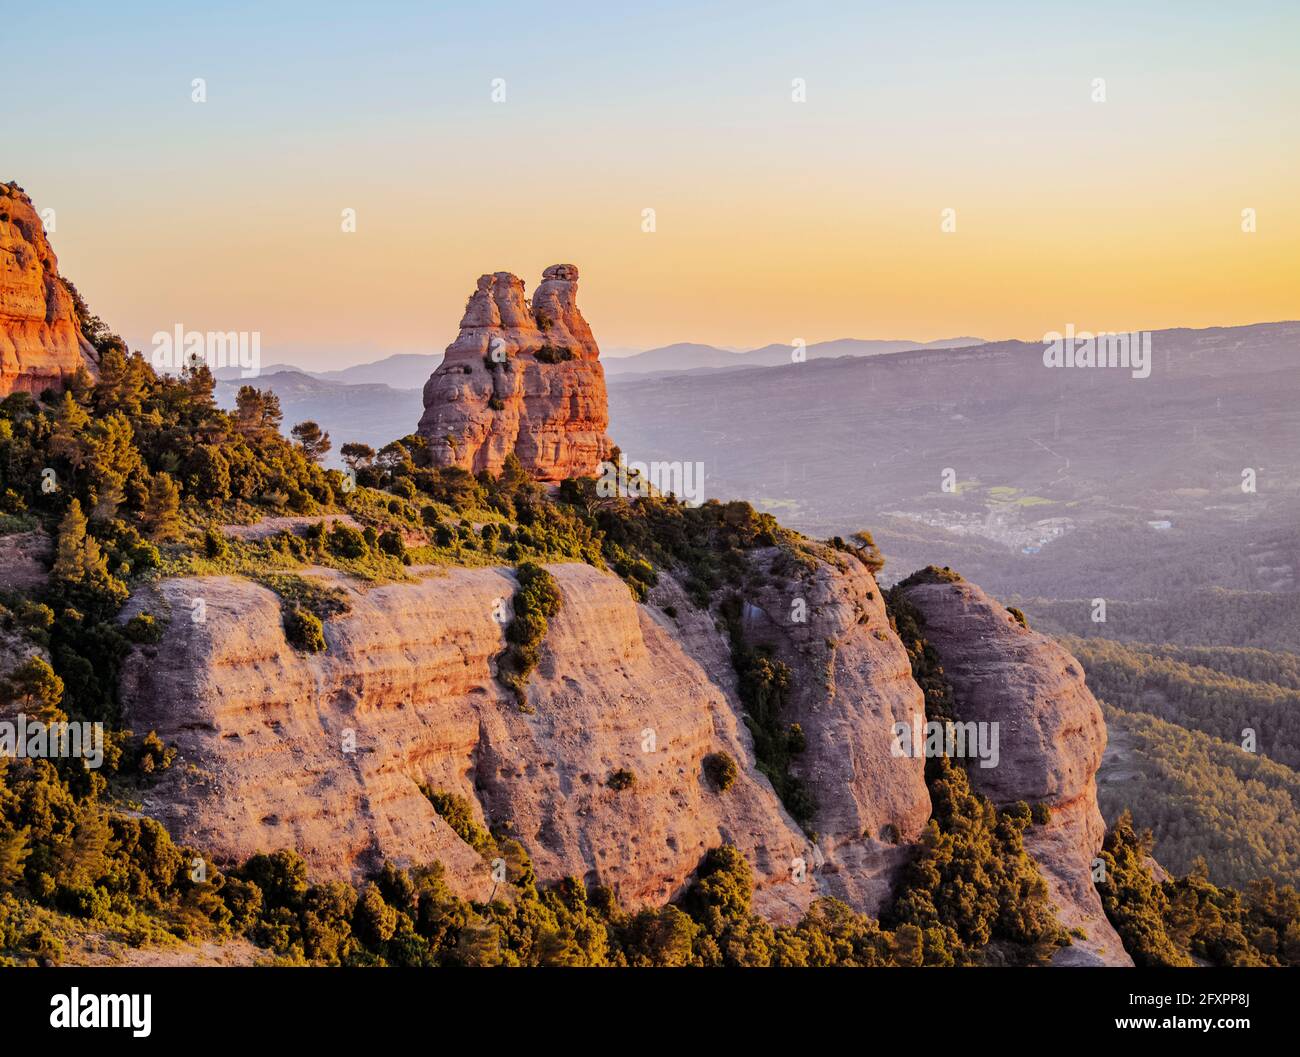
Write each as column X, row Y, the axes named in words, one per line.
column 41, row 344
column 520, row 377
column 264, row 763
column 326, row 752
column 1051, row 739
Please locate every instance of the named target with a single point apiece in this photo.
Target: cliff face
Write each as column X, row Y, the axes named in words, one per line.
column 267, row 761
column 850, row 683
column 263, row 761
column 1051, row 739
column 41, row 344
column 521, row 377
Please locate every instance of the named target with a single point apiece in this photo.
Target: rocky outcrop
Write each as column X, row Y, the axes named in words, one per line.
column 850, row 682
column 267, row 761
column 41, row 344
column 326, row 753
column 521, row 377
column 1051, row 737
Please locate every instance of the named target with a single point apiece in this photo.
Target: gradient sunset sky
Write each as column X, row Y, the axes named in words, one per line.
column 775, row 219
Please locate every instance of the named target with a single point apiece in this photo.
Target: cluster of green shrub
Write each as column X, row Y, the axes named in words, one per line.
column 1188, row 920
column 554, row 354
column 536, row 601
column 69, row 863
column 134, row 474
column 931, row 574
column 973, row 890
column 455, row 810
column 305, row 604
column 863, row 547
column 1243, row 662
column 721, row 770
column 927, row 671
column 125, row 471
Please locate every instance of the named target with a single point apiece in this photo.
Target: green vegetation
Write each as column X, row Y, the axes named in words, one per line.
column 455, row 810
column 1203, row 799
column 126, row 472
column 931, row 574
column 322, row 600
column 927, row 672
column 1215, row 617
column 972, row 893
column 862, row 546
column 721, row 770
column 1244, row 662
column 1223, row 706
column 1180, row 922
column 304, row 630
column 764, row 689
column 620, row 780
column 554, row 354
column 536, row 600
column 135, row 476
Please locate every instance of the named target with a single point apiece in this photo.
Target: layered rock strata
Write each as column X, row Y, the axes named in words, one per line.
column 267, row 760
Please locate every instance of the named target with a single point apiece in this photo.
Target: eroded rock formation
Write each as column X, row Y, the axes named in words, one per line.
column 1051, row 739
column 267, row 760
column 263, row 761
column 521, row 377
column 41, row 344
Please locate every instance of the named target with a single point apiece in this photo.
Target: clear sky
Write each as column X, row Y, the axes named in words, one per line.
column 774, row 219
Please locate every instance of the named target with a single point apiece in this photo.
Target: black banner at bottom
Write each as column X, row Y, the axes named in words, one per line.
column 150, row 1006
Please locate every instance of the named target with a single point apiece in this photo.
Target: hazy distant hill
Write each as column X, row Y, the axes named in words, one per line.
column 685, row 356
column 405, row 370
column 1067, row 482
column 372, row 414
column 411, row 370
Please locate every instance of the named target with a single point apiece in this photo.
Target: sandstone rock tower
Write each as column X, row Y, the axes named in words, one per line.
column 522, row 377
column 41, row 344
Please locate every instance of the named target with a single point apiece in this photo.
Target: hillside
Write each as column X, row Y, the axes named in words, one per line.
column 1050, row 468
column 1205, row 800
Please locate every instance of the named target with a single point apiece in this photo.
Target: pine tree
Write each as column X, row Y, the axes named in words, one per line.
column 68, row 441
column 35, row 688
column 250, row 411
column 70, row 556
column 13, row 853
column 162, row 510
column 315, row 444
column 357, row 455
column 84, row 856
column 121, row 383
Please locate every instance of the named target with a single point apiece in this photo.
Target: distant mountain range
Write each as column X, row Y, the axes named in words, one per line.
column 370, row 413
column 405, row 370
column 410, row 370
column 1006, row 469
column 686, row 356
